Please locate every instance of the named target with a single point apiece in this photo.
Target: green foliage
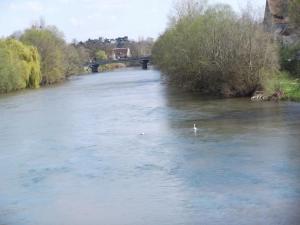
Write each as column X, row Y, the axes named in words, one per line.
column 74, row 60
column 289, row 59
column 83, row 54
column 19, row 66
column 287, row 84
column 51, row 49
column 101, row 55
column 51, row 60
column 216, row 52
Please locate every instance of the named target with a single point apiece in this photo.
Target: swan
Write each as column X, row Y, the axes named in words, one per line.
column 195, row 128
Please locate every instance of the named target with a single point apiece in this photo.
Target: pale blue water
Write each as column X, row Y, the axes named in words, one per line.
column 73, row 155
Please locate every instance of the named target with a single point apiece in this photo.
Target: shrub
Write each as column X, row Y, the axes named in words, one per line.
column 101, row 55
column 216, row 52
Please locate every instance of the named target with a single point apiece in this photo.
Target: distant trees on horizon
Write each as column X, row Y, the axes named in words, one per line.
column 138, row 48
column 38, row 56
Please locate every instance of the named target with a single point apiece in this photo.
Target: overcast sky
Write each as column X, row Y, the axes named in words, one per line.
column 83, row 19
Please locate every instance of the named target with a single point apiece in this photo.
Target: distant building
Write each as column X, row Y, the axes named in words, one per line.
column 276, row 16
column 277, row 21
column 120, row 53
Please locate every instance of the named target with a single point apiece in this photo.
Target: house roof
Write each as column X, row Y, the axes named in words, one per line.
column 119, row 51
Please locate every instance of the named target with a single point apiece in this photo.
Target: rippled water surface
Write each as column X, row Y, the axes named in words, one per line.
column 73, row 155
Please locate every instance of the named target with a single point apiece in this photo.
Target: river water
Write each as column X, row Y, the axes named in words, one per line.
column 73, row 154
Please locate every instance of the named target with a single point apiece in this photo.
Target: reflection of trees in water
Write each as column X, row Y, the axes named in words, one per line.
column 226, row 116
column 248, row 154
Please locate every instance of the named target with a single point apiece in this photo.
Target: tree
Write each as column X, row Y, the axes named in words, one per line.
column 72, row 61
column 19, row 66
column 101, row 55
column 75, row 58
column 51, row 48
column 216, row 52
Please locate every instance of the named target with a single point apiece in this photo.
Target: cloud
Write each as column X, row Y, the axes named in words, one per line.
column 31, row 6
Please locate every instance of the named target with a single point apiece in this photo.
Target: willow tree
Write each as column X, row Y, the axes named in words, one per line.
column 19, row 66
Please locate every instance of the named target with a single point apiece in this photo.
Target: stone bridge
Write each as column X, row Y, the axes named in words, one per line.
column 144, row 61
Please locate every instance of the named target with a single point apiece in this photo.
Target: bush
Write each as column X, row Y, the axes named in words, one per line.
column 101, row 55
column 216, row 52
column 19, row 66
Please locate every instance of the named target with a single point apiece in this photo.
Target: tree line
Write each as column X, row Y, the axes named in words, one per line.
column 96, row 47
column 38, row 56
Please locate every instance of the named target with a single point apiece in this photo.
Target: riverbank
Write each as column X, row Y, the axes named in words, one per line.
column 111, row 67
column 281, row 86
column 289, row 86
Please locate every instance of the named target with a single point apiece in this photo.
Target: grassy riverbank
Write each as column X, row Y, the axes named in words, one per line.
column 110, row 67
column 287, row 84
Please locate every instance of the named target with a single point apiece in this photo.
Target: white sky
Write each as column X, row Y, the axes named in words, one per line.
column 83, row 19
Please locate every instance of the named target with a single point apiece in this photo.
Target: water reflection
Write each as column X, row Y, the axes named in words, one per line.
column 240, row 160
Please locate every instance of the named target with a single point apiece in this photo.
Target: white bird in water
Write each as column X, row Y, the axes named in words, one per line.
column 142, row 134
column 195, row 128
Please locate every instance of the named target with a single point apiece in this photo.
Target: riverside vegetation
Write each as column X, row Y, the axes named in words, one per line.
column 37, row 56
column 212, row 50
column 289, row 78
column 40, row 56
column 207, row 49
column 19, row 66
column 101, row 55
column 58, row 60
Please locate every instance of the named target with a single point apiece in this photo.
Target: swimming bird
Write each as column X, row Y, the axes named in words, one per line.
column 195, row 128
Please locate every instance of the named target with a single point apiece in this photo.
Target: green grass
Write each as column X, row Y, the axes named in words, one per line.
column 289, row 85
column 291, row 89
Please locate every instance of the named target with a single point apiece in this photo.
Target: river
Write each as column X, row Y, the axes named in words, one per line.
column 118, row 148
